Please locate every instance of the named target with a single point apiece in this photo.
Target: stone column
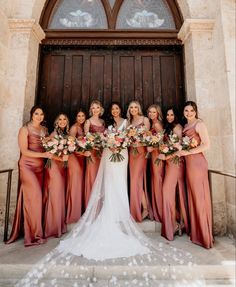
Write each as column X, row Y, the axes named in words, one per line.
column 20, row 80
column 200, row 67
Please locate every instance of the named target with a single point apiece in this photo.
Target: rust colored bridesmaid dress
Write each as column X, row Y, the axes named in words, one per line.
column 54, row 200
column 199, row 199
column 75, row 185
column 157, row 176
column 92, row 167
column 28, row 212
column 174, row 184
column 138, row 183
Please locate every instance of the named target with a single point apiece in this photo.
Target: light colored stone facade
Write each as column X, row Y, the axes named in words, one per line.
column 208, row 35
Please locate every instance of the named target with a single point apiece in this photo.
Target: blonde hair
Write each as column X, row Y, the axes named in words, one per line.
column 159, row 112
column 57, row 128
column 129, row 116
column 97, row 103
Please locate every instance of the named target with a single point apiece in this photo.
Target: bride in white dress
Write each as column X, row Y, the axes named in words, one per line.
column 107, row 230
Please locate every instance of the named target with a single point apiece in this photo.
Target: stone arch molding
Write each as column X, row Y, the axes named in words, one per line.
column 33, row 8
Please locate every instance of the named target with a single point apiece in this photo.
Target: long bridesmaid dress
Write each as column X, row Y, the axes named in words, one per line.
column 157, row 176
column 54, row 200
column 199, row 199
column 138, row 182
column 92, row 167
column 174, row 183
column 29, row 202
column 75, row 185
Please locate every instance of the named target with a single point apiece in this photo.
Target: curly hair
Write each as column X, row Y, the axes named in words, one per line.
column 57, row 129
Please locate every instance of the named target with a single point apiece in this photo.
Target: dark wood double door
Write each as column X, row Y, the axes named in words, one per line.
column 70, row 78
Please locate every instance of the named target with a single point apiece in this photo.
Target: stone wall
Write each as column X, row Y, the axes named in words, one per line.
column 208, row 35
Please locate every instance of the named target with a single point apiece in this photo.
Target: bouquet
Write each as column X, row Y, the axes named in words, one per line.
column 89, row 142
column 116, row 141
column 59, row 145
column 188, row 143
column 136, row 136
column 169, row 146
column 153, row 140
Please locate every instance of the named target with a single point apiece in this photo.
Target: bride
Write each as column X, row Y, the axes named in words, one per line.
column 107, row 230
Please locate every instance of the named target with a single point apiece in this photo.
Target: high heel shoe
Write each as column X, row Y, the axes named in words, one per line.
column 145, row 213
column 178, row 230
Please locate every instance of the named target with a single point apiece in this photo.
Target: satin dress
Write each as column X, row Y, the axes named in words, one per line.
column 174, row 192
column 157, row 176
column 138, row 182
column 54, row 200
column 92, row 166
column 198, row 190
column 75, row 185
column 28, row 214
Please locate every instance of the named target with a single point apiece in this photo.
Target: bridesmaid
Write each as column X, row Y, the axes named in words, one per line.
column 75, row 175
column 174, row 182
column 54, row 187
column 157, row 171
column 93, row 125
column 140, row 207
column 28, row 215
column 199, row 199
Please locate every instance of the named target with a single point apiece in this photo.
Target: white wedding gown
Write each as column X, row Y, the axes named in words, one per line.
column 107, row 230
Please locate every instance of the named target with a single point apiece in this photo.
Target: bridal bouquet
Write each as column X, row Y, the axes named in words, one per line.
column 188, row 143
column 136, row 136
column 169, row 146
column 116, row 141
column 89, row 142
column 59, row 145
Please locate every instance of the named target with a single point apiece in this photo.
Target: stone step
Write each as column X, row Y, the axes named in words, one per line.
column 123, row 283
column 217, row 265
column 105, row 272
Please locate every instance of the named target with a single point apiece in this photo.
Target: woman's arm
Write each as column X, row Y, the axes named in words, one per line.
column 146, row 123
column 23, row 145
column 201, row 129
column 86, row 126
column 178, row 130
column 158, row 127
column 73, row 131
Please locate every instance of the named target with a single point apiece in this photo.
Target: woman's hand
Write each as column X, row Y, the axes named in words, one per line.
column 65, row 157
column 182, row 153
column 87, row 153
column 150, row 149
column 161, row 157
column 47, row 154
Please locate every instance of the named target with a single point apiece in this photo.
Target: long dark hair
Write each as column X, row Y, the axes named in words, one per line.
column 168, row 127
column 33, row 109
column 81, row 110
column 110, row 120
column 192, row 104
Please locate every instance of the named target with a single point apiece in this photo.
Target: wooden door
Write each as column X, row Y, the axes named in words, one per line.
column 70, row 78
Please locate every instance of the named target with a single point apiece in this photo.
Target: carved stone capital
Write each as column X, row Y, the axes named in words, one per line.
column 191, row 26
column 27, row 26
